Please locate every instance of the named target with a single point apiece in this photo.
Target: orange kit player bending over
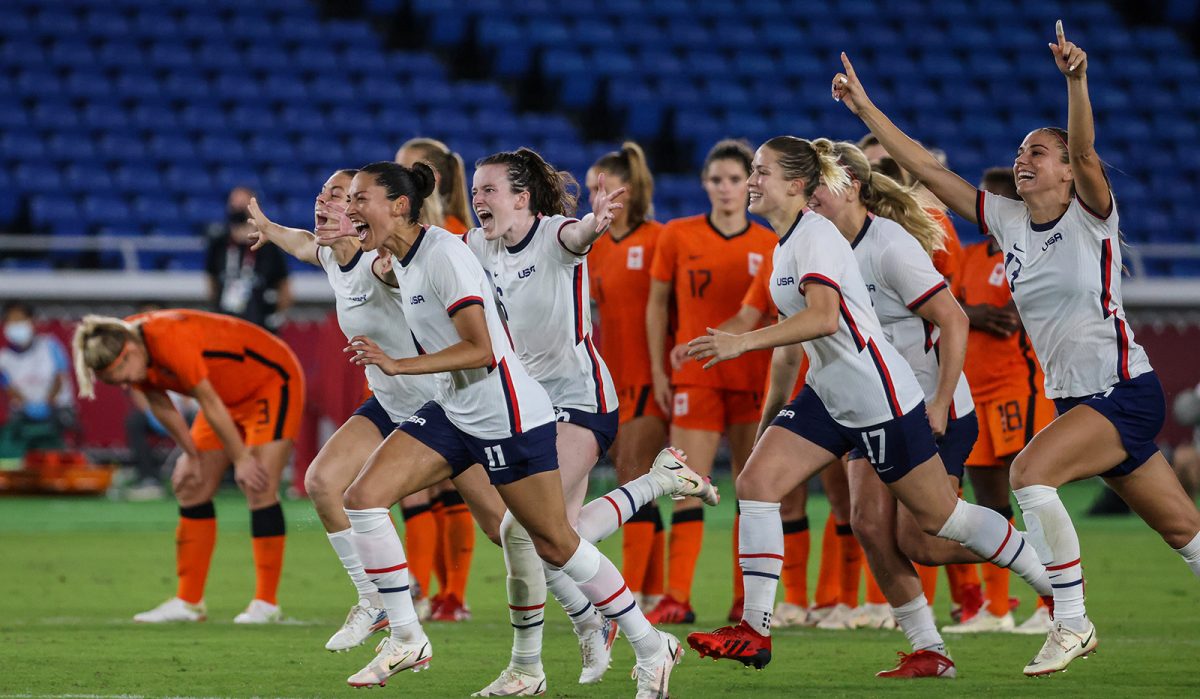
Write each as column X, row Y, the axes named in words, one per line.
column 251, row 393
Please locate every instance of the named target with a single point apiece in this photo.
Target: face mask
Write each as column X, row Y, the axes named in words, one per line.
column 19, row 333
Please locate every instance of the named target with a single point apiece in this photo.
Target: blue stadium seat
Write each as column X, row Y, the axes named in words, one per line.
column 154, row 117
column 172, row 148
column 188, row 179
column 252, row 118
column 203, row 117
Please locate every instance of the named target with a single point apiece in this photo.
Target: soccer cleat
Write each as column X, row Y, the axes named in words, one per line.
column 1061, row 647
column 451, row 609
column 1038, row 624
column 173, row 609
column 972, row 601
column 362, row 621
column 595, row 651
column 426, row 608
column 679, row 481
column 787, row 615
column 671, row 611
column 514, row 682
column 983, row 622
column 736, row 609
column 260, row 612
column 838, row 619
column 921, row 663
column 817, row 614
column 393, row 656
column 740, row 643
column 653, row 679
column 872, row 616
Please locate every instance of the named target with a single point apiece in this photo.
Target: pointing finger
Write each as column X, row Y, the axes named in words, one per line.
column 1058, row 31
column 848, row 66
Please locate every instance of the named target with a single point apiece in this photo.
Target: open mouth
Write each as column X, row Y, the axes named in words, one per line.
column 362, row 228
column 484, row 217
column 1024, row 176
column 322, row 219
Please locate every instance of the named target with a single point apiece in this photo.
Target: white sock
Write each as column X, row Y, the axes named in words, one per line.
column 526, row 594
column 383, row 560
column 760, row 555
column 1050, row 530
column 600, row 580
column 987, row 533
column 915, row 618
column 1191, row 554
column 343, row 546
column 603, row 516
column 583, row 614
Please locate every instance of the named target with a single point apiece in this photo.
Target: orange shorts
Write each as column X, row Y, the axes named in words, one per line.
column 1006, row 425
column 638, row 401
column 271, row 414
column 714, row 409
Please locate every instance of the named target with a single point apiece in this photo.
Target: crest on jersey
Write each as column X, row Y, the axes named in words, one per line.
column 754, row 260
column 635, row 258
column 681, row 404
column 997, row 276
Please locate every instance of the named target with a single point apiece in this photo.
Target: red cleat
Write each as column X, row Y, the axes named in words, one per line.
column 451, row 609
column 735, row 612
column 1048, row 600
column 922, row 663
column 671, row 611
column 740, row 643
column 971, row 598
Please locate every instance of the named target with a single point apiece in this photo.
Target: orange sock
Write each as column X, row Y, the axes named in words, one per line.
column 687, row 536
column 852, row 558
column 961, row 575
column 458, row 544
column 874, row 592
column 928, row 581
column 268, row 535
column 829, row 577
column 421, row 545
column 440, row 559
column 195, row 539
column 655, row 575
column 739, row 588
column 795, row 562
column 637, row 544
column 995, row 581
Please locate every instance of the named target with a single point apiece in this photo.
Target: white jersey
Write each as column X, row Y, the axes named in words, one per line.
column 900, row 277
column 31, row 372
column 367, row 306
column 439, row 277
column 1065, row 277
column 545, row 299
column 859, row 376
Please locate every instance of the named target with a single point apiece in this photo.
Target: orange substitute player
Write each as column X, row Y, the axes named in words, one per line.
column 706, row 262
column 619, row 269
column 1006, row 381
column 250, row 388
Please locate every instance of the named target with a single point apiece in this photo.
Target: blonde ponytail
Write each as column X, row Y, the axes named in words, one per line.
column 98, row 342
column 629, row 164
column 812, row 161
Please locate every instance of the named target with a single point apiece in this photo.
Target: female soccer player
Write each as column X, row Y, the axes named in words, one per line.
column 707, row 262
column 535, row 257
column 250, row 388
column 860, row 393
column 488, row 411
column 619, row 268
column 1063, row 262
column 364, row 303
column 449, row 209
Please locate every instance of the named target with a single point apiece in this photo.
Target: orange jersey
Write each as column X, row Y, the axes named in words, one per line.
column 709, row 274
column 238, row 358
column 996, row 367
column 454, row 224
column 758, row 294
column 620, row 276
column 947, row 261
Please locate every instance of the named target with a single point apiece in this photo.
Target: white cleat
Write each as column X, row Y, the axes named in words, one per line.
column 679, row 481
column 514, row 682
column 984, row 622
column 653, row 679
column 1038, row 624
column 362, row 621
column 393, row 656
column 595, row 650
column 260, row 612
column 817, row 614
column 873, row 616
column 788, row 615
column 838, row 619
column 424, row 608
column 172, row 610
column 1061, row 647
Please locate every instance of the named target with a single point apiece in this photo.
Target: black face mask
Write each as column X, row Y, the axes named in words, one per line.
column 237, row 216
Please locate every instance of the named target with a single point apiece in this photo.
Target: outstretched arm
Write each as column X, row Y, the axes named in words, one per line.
column 579, row 236
column 300, row 244
column 1091, row 186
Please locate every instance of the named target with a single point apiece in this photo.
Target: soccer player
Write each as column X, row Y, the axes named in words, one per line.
column 488, row 411
column 250, row 388
column 707, row 262
column 1063, row 263
column 449, row 207
column 619, row 268
column 859, row 393
column 364, row 303
column 535, row 256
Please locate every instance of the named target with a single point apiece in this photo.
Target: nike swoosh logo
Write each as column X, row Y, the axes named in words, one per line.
column 695, row 257
column 527, row 617
column 398, row 663
column 1017, row 248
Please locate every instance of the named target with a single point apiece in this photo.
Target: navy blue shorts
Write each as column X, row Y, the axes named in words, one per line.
column 954, row 446
column 894, row 447
column 603, row 425
column 1137, row 408
column 507, row 460
column 373, row 411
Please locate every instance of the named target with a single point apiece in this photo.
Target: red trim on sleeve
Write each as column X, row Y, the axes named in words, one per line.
column 1095, row 215
column 558, row 236
column 923, row 298
column 463, row 303
column 980, row 197
column 820, row 279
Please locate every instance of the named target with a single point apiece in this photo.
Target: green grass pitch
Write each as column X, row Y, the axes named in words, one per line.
column 74, row 571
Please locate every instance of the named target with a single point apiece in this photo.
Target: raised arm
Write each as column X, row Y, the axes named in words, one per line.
column 953, row 190
column 1091, row 186
column 579, row 236
column 298, row 243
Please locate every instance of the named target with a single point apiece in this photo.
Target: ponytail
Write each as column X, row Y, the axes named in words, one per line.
column 452, row 196
column 629, row 164
column 416, row 183
column 811, row 161
column 98, row 342
column 551, row 192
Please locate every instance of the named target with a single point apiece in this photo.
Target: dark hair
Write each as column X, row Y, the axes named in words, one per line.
column 867, row 141
column 1000, row 181
column 735, row 149
column 414, row 182
column 17, row 305
column 802, row 160
column 551, row 191
column 629, row 164
column 453, row 186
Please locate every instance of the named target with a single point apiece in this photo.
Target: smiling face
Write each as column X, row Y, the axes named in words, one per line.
column 832, row 205
column 336, row 190
column 769, row 189
column 495, row 203
column 726, row 185
column 371, row 212
column 1039, row 165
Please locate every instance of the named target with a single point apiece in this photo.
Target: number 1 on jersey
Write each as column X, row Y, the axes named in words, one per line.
column 495, row 457
column 881, row 451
